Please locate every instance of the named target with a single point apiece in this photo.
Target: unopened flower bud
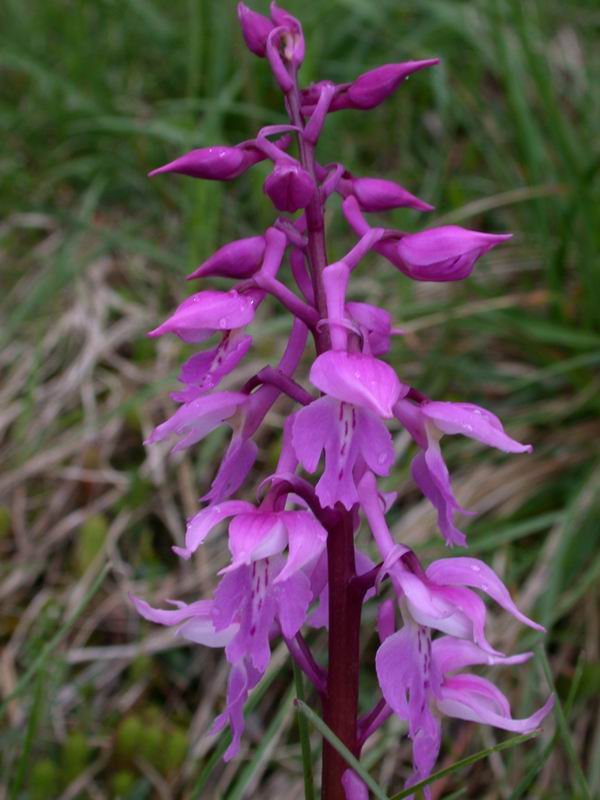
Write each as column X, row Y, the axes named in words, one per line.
column 239, row 259
column 290, row 187
column 218, row 163
column 377, row 194
column 255, row 29
column 440, row 254
column 369, row 89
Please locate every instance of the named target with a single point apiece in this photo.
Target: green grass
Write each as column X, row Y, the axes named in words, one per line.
column 501, row 136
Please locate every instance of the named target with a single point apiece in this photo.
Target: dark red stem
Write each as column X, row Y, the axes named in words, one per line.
column 341, row 696
column 340, row 701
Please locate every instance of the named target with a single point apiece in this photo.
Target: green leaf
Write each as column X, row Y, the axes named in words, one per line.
column 563, row 726
column 309, row 787
column 465, row 762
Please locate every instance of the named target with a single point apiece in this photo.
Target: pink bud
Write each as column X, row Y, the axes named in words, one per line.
column 373, row 87
column 290, row 187
column 440, row 254
column 368, row 90
column 239, row 259
column 377, row 194
column 218, row 163
column 255, row 29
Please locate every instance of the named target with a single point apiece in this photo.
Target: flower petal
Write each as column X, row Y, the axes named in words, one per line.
column 358, row 379
column 306, row 540
column 255, row 536
column 235, row 466
column 437, row 489
column 452, row 654
column 472, row 698
column 201, row 524
column 375, row 442
column 464, row 571
column 198, row 418
column 472, row 421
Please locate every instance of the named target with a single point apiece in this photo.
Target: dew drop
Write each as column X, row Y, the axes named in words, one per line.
column 223, row 322
column 484, row 587
column 382, row 458
column 475, row 568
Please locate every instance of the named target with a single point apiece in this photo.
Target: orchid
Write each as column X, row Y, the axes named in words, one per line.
column 296, row 561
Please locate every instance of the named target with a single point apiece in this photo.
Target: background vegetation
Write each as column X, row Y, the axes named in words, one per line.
column 501, row 136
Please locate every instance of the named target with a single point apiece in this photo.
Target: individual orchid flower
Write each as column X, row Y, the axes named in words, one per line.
column 440, row 597
column 196, row 625
column 347, row 423
column 427, row 422
column 415, row 676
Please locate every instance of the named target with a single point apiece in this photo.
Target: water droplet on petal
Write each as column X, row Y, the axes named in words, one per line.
column 223, row 322
column 475, row 568
column 484, row 587
column 382, row 458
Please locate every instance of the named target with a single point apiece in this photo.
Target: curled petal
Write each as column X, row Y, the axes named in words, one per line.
column 358, row 379
column 255, row 536
column 242, row 678
column 196, row 617
column 197, row 419
column 472, row 421
column 464, row 571
column 202, row 523
column 473, row 698
column 452, row 654
column 438, row 490
column 306, row 541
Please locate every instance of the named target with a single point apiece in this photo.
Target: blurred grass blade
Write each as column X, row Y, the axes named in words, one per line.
column 539, row 762
column 309, row 786
column 563, row 726
column 341, row 748
column 35, row 714
column 43, row 657
column 465, row 762
column 248, row 771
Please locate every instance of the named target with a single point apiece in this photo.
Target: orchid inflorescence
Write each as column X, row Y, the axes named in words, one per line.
column 294, row 561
